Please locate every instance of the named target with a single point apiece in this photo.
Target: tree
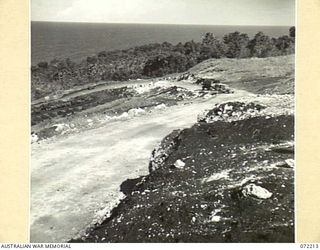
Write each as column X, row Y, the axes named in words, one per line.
column 292, row 32
column 166, row 45
column 237, row 45
column 191, row 47
column 211, row 47
column 283, row 42
column 285, row 45
column 260, row 45
column 208, row 39
column 179, row 48
column 165, row 64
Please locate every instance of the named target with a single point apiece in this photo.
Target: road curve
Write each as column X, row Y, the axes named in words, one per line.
column 75, row 179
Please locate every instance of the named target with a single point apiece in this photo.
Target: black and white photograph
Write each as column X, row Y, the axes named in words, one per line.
column 162, row 121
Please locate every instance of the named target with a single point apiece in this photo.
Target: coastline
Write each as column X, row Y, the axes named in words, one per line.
column 153, row 60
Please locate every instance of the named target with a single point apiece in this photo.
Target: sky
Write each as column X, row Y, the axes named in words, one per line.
column 210, row 12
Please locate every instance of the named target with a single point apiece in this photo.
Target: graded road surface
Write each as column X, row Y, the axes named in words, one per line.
column 75, row 178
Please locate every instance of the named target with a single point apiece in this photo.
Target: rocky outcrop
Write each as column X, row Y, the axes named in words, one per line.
column 161, row 153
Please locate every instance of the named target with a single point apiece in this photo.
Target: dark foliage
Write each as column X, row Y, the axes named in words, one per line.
column 292, row 32
column 237, row 45
column 153, row 60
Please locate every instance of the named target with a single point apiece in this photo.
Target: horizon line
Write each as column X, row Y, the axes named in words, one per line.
column 195, row 24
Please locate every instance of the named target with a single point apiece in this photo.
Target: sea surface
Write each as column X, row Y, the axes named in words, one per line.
column 51, row 40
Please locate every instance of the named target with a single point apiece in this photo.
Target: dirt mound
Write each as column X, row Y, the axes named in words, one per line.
column 103, row 106
column 228, row 189
column 231, row 110
column 67, row 107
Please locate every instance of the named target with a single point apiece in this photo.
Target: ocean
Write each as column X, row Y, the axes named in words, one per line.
column 51, row 40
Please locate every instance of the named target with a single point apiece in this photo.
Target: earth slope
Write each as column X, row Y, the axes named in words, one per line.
column 234, row 184
column 229, row 177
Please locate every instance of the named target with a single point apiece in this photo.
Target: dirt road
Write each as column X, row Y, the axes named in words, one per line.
column 75, row 179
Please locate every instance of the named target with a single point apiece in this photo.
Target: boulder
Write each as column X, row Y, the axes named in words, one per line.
column 256, row 191
column 179, row 164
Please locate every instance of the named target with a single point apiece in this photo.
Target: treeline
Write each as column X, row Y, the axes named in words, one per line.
column 153, row 60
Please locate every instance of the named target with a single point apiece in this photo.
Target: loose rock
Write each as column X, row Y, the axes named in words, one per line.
column 179, row 164
column 256, row 191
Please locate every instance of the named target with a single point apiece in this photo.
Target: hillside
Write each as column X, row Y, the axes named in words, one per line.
column 223, row 182
column 201, row 156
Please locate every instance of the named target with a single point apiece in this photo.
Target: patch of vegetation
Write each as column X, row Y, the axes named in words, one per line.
column 153, row 60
